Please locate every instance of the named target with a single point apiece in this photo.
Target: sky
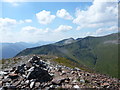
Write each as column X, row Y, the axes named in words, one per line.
column 54, row 21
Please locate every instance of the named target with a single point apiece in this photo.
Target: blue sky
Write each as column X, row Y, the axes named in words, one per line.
column 54, row 21
column 28, row 10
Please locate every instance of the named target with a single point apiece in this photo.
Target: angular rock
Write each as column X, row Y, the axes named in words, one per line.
column 23, row 83
column 59, row 69
column 16, row 83
column 11, row 87
column 87, row 74
column 1, row 83
column 20, row 69
column 29, row 76
column 52, row 86
column 13, row 69
column 76, row 69
column 63, row 73
column 68, row 86
column 7, row 84
column 28, row 65
column 66, row 81
column 74, row 81
column 35, row 58
column 37, row 84
column 82, row 80
column 32, row 84
column 3, row 73
column 27, row 81
column 39, row 74
column 13, row 76
column 1, row 77
column 76, row 86
column 6, row 80
column 58, row 81
column 31, row 69
column 104, row 85
column 72, row 72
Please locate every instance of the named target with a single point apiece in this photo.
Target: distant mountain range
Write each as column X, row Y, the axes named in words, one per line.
column 9, row 50
column 97, row 53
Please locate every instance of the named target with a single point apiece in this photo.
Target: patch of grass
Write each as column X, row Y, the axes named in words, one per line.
column 66, row 62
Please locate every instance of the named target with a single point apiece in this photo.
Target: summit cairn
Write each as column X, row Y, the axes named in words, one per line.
column 26, row 75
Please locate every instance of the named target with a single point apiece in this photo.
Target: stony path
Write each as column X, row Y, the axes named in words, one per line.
column 39, row 74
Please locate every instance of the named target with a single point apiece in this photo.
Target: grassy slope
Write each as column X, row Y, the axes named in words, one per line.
column 97, row 55
column 107, row 59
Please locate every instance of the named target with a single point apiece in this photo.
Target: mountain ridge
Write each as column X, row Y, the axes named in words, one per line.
column 90, row 51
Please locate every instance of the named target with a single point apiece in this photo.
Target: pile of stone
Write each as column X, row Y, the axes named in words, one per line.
column 33, row 73
column 43, row 74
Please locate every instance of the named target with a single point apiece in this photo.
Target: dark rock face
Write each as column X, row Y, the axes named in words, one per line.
column 39, row 74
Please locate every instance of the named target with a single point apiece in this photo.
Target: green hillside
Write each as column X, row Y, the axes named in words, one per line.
column 97, row 53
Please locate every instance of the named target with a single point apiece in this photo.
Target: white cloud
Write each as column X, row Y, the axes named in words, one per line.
column 63, row 28
column 102, row 31
column 94, row 25
column 6, row 27
column 45, row 17
column 9, row 30
column 97, row 15
column 32, row 34
column 64, row 14
column 28, row 20
column 10, row 33
column 25, row 21
column 21, row 21
column 33, row 30
column 7, row 24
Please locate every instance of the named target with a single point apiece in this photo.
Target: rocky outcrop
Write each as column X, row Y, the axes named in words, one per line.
column 39, row 74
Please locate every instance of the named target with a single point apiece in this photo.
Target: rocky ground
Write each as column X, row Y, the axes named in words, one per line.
column 36, row 73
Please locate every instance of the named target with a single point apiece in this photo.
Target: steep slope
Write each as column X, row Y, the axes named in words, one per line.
column 98, row 53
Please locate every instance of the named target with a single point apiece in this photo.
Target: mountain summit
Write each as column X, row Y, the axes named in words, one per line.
column 65, row 42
